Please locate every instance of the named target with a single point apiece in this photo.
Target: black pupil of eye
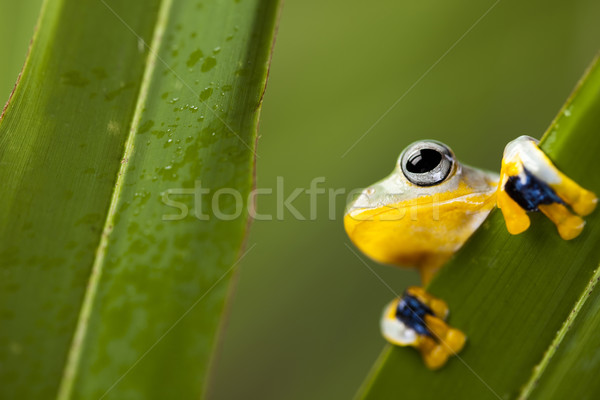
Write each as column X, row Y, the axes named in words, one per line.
column 423, row 161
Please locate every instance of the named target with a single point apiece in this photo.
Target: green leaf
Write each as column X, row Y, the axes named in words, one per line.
column 516, row 297
column 121, row 109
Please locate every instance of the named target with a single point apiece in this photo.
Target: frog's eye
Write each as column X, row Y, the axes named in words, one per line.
column 426, row 163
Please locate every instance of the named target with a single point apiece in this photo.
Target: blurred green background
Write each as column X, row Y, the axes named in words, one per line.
column 303, row 321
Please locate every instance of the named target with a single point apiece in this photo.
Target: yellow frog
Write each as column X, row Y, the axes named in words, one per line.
column 429, row 206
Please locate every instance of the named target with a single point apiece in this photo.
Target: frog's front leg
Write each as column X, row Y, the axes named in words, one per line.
column 417, row 319
column 530, row 182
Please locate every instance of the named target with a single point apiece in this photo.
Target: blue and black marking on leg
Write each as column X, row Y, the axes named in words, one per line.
column 412, row 313
column 529, row 192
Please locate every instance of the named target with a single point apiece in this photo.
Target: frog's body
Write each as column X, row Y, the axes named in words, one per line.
column 429, row 206
column 398, row 222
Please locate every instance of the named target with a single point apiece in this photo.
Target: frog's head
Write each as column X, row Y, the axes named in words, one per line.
column 424, row 211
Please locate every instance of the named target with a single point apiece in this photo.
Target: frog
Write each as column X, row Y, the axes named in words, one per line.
column 425, row 210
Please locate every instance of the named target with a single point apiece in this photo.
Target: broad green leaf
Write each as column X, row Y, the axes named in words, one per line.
column 517, row 296
column 123, row 108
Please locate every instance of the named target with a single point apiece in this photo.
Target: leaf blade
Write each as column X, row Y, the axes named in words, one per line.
column 164, row 266
column 29, row 257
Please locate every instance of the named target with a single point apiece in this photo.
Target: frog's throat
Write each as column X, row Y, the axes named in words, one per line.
column 420, row 235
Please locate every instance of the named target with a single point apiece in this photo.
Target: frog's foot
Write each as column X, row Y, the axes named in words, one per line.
column 417, row 319
column 530, row 182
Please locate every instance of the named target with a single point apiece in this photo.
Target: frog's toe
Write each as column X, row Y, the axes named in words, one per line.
column 569, row 226
column 582, row 201
column 435, row 356
column 439, row 308
column 515, row 217
column 586, row 203
column 450, row 338
column 435, row 352
column 455, row 340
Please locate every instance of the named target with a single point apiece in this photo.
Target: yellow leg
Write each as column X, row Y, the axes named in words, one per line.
column 427, row 274
column 431, row 264
column 433, row 354
column 448, row 341
column 582, row 201
column 523, row 153
column 515, row 217
column 569, row 226
column 451, row 339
